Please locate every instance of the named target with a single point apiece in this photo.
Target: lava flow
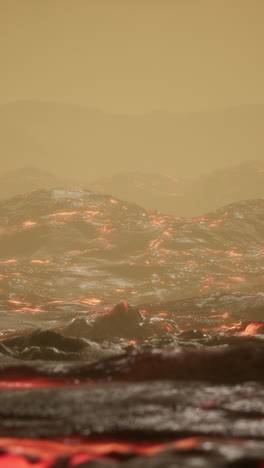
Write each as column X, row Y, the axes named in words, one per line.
column 74, row 451
column 129, row 337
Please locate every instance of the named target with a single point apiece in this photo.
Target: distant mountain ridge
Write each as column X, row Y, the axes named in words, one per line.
column 187, row 197
column 28, row 179
column 73, row 140
column 153, row 191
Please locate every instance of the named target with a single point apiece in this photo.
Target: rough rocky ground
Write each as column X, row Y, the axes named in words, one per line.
column 170, row 376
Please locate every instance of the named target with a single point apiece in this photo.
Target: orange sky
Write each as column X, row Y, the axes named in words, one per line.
column 133, row 56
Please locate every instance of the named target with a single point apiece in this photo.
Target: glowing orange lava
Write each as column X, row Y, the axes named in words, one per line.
column 64, row 213
column 39, row 261
column 29, row 223
column 251, row 329
column 81, row 449
column 11, row 260
column 90, row 301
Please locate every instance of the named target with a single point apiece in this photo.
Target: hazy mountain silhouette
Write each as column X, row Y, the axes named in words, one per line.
column 153, row 191
column 231, row 184
column 187, row 197
column 27, row 179
column 78, row 141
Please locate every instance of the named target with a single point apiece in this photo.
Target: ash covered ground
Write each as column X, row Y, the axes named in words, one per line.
column 128, row 337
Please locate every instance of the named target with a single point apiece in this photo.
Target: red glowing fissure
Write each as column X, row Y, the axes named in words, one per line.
column 80, row 450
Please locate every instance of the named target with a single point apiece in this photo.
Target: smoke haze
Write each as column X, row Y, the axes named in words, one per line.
column 92, row 88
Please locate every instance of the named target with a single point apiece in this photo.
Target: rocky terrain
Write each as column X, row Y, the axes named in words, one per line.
column 66, row 245
column 130, row 337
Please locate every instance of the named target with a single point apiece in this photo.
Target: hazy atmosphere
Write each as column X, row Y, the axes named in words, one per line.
column 91, row 88
column 132, row 234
